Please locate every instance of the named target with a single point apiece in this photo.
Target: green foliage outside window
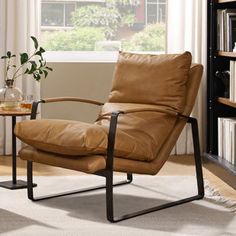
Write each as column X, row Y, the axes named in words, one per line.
column 110, row 16
column 126, row 10
column 80, row 39
column 97, row 16
column 152, row 38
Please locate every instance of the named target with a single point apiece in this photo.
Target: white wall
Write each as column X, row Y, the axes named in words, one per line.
column 86, row 80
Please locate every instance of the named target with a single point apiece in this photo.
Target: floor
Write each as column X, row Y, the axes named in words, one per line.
column 177, row 165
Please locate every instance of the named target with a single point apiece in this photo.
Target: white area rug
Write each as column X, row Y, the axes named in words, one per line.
column 85, row 214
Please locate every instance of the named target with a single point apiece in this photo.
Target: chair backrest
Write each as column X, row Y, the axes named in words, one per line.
column 151, row 79
column 193, row 84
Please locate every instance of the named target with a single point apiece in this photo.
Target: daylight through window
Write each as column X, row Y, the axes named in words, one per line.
column 103, row 25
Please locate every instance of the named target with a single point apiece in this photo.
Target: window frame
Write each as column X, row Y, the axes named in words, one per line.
column 157, row 3
column 64, row 27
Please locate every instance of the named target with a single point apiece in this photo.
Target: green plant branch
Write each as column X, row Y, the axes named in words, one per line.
column 36, row 70
column 8, row 66
column 14, row 75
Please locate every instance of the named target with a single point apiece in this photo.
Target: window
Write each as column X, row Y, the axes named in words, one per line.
column 56, row 14
column 155, row 11
column 103, row 25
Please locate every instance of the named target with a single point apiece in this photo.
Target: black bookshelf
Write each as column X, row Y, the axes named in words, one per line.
column 217, row 104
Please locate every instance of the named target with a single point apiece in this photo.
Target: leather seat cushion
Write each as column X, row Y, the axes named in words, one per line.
column 62, row 136
column 139, row 136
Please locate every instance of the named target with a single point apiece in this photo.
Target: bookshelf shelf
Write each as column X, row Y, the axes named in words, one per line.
column 219, row 63
column 225, row 1
column 227, row 54
column 227, row 102
column 222, row 163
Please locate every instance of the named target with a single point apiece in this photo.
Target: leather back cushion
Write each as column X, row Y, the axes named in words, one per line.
column 151, row 79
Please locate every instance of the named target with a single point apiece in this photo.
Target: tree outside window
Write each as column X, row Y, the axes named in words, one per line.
column 103, row 25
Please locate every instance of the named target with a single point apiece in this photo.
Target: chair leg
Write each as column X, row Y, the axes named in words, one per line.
column 110, row 211
column 110, row 208
column 199, row 176
column 31, row 193
column 109, row 196
column 197, row 157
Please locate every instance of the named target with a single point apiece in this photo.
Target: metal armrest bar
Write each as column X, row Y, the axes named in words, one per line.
column 128, row 111
column 61, row 99
column 111, row 139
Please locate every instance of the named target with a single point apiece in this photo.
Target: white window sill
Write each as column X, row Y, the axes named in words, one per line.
column 81, row 56
column 84, row 56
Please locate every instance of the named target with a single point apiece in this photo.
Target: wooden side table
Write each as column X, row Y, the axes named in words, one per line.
column 14, row 183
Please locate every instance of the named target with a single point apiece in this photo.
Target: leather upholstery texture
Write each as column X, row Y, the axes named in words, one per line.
column 151, row 79
column 139, row 135
column 63, row 136
column 145, row 81
column 143, row 143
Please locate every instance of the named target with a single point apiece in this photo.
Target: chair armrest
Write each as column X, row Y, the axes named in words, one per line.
column 148, row 109
column 71, row 99
column 61, row 99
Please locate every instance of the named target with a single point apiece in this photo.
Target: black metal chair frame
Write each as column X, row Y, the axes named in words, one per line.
column 108, row 173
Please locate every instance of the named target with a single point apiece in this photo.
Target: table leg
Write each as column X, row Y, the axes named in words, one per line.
column 14, row 184
column 13, row 151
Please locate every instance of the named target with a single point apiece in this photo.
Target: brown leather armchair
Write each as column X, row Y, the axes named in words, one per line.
column 150, row 102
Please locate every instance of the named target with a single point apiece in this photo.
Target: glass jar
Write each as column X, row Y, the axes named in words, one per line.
column 10, row 96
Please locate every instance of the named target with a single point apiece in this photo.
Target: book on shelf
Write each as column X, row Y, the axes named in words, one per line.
column 227, row 139
column 220, row 137
column 232, row 81
column 232, row 32
column 226, row 29
column 232, row 75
